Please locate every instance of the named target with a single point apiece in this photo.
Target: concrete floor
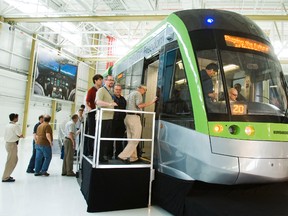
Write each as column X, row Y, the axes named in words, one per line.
column 48, row 196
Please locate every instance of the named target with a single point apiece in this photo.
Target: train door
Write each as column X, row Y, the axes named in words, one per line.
column 150, row 80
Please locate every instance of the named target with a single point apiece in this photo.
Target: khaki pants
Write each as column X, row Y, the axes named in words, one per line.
column 134, row 129
column 67, row 168
column 12, row 159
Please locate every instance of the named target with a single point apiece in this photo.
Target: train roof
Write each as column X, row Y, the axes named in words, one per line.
column 199, row 19
column 219, row 19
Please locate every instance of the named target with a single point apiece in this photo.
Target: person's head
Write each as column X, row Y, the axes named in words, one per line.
column 109, row 81
column 47, row 118
column 80, row 112
column 74, row 118
column 238, row 86
column 41, row 118
column 117, row 90
column 211, row 69
column 97, row 80
column 233, row 94
column 82, row 106
column 13, row 117
column 142, row 89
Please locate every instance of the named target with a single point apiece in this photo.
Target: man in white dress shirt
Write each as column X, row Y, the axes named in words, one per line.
column 11, row 136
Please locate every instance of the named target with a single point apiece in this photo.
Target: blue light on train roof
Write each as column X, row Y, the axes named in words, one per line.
column 209, row 20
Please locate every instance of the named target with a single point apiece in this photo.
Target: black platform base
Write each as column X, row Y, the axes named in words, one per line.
column 114, row 189
column 196, row 198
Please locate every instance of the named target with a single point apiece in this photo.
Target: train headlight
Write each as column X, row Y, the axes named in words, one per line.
column 233, row 129
column 249, row 130
column 218, row 128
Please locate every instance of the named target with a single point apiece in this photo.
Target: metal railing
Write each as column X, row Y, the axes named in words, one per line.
column 97, row 139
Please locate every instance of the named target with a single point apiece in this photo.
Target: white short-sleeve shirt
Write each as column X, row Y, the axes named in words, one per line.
column 12, row 132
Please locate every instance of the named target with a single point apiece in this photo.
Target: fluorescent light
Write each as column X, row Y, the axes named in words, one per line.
column 230, row 67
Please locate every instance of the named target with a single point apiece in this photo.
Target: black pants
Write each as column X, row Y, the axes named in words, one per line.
column 118, row 131
column 89, row 142
column 106, row 132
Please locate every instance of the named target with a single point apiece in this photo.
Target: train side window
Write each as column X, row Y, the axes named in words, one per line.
column 177, row 104
column 133, row 76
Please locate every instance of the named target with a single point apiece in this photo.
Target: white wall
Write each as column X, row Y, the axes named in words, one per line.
column 15, row 48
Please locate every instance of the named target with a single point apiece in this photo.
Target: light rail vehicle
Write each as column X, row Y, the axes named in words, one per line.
column 212, row 139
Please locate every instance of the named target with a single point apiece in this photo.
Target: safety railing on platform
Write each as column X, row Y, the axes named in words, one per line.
column 94, row 161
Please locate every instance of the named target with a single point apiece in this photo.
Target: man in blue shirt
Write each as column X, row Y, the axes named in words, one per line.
column 31, row 165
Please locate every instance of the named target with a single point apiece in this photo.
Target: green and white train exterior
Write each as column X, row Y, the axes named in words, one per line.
column 217, row 141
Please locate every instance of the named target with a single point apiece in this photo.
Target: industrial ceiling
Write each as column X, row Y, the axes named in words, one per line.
column 89, row 28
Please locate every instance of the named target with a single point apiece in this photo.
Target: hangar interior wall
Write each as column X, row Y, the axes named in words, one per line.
column 15, row 48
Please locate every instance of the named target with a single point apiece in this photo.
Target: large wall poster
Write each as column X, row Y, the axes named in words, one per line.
column 55, row 75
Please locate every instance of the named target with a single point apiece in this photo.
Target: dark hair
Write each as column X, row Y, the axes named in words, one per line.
column 41, row 116
column 82, row 106
column 12, row 116
column 237, row 85
column 212, row 66
column 47, row 118
column 96, row 77
column 74, row 116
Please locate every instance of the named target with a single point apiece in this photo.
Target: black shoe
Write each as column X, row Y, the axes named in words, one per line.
column 30, row 171
column 45, row 174
column 103, row 160
column 38, row 174
column 63, row 174
column 9, row 180
column 126, row 161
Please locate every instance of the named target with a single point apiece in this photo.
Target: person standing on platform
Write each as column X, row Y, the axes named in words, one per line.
column 12, row 135
column 133, row 123
column 118, row 126
column 90, row 104
column 69, row 146
column 31, row 165
column 104, row 99
column 44, row 143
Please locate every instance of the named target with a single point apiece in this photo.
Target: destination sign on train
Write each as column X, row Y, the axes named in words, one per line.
column 246, row 43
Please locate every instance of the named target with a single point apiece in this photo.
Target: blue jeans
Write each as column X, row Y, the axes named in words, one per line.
column 31, row 165
column 42, row 151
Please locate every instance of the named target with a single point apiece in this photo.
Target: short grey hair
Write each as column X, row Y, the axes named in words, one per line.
column 142, row 87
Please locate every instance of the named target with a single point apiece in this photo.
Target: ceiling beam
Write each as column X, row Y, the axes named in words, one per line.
column 116, row 18
column 268, row 17
column 121, row 18
column 95, row 59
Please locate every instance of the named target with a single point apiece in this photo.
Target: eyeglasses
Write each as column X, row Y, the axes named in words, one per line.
column 234, row 94
column 110, row 80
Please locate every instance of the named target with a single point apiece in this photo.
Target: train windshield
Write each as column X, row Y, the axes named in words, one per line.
column 248, row 83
